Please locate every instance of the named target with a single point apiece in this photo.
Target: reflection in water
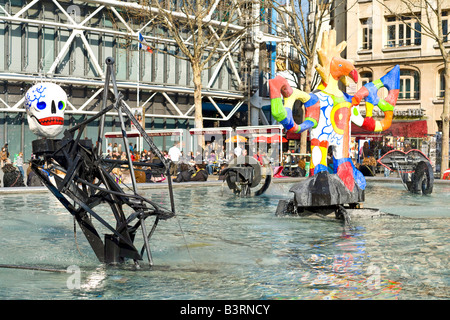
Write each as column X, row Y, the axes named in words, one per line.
column 223, row 247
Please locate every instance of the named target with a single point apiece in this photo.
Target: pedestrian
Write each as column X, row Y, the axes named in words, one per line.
column 185, row 173
column 11, row 176
column 3, row 156
column 385, row 149
column 174, row 152
column 407, row 146
column 212, row 162
column 32, row 179
column 200, row 173
column 19, row 164
column 109, row 148
column 6, row 148
column 238, row 150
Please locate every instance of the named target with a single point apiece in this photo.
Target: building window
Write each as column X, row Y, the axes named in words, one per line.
column 403, row 32
column 445, row 25
column 441, row 85
column 366, row 27
column 409, row 85
column 366, row 77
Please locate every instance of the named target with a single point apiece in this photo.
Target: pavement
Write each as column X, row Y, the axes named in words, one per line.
column 212, row 181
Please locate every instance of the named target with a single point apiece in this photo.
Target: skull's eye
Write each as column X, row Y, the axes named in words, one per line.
column 61, row 105
column 41, row 105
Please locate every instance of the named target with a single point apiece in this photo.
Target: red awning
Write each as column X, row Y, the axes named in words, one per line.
column 276, row 138
column 293, row 136
column 407, row 129
column 260, row 139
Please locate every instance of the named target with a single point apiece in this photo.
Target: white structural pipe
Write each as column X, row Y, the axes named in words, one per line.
column 177, row 14
column 125, row 85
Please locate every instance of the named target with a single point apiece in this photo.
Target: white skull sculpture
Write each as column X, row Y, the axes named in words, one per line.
column 45, row 104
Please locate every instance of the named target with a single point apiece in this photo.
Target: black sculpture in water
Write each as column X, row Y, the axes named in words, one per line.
column 83, row 181
column 414, row 168
column 245, row 173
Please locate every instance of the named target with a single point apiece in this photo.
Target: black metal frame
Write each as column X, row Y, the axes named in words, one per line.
column 244, row 173
column 86, row 181
column 413, row 167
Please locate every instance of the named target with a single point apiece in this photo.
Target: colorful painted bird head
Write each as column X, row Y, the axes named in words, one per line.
column 340, row 67
column 331, row 65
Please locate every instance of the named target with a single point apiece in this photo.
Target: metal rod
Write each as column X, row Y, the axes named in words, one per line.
column 98, row 115
column 10, row 266
column 110, row 65
column 146, row 243
column 127, row 150
column 146, row 137
column 101, row 128
column 169, row 182
column 155, row 149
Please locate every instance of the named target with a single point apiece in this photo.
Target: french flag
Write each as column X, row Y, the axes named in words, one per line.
column 141, row 47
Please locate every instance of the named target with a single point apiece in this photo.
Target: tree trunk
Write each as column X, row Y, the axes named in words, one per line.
column 198, row 97
column 198, row 109
column 445, row 117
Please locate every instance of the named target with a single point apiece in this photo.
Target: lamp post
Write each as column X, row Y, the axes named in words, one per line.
column 249, row 51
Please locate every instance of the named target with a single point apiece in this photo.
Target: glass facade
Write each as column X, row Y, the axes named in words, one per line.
column 69, row 41
column 33, row 47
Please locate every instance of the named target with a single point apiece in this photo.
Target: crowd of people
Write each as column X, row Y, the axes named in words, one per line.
column 371, row 152
column 211, row 160
column 184, row 168
column 207, row 161
column 365, row 159
column 13, row 172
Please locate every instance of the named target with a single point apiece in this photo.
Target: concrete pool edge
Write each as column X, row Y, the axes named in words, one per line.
column 212, row 182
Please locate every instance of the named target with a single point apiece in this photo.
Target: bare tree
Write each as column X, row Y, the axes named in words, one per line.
column 302, row 21
column 428, row 14
column 200, row 28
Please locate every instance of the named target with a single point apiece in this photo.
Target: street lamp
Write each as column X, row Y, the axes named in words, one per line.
column 249, row 51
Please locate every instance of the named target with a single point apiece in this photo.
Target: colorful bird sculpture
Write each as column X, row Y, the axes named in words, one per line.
column 330, row 112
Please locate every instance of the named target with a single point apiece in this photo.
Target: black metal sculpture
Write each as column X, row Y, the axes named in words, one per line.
column 83, row 181
column 321, row 194
column 245, row 173
column 413, row 167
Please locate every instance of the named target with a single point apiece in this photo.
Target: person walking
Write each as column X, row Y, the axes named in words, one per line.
column 19, row 164
column 174, row 152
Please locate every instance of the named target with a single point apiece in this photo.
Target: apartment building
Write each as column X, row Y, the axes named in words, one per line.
column 377, row 40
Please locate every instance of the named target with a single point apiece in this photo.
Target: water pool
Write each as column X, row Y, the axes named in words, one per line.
column 223, row 247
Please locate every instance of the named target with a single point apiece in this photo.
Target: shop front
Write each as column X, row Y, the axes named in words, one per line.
column 402, row 135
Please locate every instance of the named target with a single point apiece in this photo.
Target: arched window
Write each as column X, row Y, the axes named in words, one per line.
column 366, row 77
column 409, row 84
